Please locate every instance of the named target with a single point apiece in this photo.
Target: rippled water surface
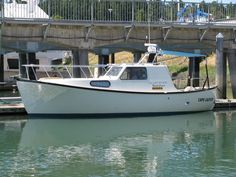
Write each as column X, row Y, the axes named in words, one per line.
column 201, row 144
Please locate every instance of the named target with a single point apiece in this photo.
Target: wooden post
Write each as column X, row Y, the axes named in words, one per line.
column 232, row 69
column 2, row 68
column 220, row 68
column 22, row 61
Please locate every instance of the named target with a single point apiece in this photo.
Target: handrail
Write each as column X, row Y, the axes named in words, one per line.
column 112, row 11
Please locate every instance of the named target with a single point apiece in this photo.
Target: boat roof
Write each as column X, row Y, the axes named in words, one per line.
column 181, row 54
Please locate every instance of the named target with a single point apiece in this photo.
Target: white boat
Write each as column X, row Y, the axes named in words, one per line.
column 139, row 88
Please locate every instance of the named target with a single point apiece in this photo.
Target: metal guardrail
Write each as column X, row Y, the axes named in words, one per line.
column 65, row 71
column 117, row 11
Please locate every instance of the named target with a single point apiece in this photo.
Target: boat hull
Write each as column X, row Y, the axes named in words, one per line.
column 47, row 98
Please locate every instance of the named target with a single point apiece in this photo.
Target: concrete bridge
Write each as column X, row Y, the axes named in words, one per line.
column 35, row 26
column 104, row 30
column 36, row 36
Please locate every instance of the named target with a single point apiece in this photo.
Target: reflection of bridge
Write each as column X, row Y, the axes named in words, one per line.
column 107, row 26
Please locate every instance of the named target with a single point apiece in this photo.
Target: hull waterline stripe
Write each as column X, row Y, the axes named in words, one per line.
column 108, row 115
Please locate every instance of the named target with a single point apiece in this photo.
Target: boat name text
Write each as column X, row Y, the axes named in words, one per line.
column 205, row 99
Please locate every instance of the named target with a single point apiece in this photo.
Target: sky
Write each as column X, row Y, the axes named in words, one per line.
column 223, row 1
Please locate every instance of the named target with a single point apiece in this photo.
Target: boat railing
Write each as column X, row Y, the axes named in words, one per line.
column 181, row 83
column 36, row 72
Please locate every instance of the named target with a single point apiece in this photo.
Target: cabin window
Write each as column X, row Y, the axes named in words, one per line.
column 13, row 63
column 113, row 71
column 134, row 73
column 57, row 61
column 21, row 2
column 100, row 84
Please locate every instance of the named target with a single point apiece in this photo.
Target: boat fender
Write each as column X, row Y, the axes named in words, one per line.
column 189, row 88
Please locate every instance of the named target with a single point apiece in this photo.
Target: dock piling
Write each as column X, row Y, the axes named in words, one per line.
column 220, row 68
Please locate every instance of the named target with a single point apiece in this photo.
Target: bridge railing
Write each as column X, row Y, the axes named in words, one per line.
column 117, row 11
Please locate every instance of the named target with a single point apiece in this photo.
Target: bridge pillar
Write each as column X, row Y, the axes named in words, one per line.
column 220, row 68
column 232, row 69
column 22, row 61
column 193, row 71
column 31, row 57
column 80, row 57
column 1, row 68
column 75, row 61
column 137, row 56
column 102, row 60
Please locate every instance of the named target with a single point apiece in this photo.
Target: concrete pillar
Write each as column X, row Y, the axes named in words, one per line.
column 75, row 61
column 194, row 74
column 22, row 61
column 102, row 60
column 80, row 57
column 137, row 56
column 220, row 68
column 232, row 69
column 1, row 68
column 113, row 58
column 32, row 70
column 83, row 57
column 83, row 60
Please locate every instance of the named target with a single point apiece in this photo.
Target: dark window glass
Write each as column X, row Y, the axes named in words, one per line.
column 21, row 2
column 134, row 73
column 100, row 83
column 12, row 63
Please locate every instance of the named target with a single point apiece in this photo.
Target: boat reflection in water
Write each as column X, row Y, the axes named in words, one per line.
column 46, row 131
column 190, row 144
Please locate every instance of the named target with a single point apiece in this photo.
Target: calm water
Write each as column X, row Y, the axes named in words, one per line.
column 202, row 144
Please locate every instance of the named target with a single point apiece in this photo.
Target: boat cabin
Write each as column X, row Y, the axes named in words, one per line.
column 139, row 77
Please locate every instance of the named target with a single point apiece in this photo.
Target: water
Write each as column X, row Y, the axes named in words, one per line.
column 9, row 93
column 202, row 144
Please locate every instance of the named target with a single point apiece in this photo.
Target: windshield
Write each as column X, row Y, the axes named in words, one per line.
column 113, row 71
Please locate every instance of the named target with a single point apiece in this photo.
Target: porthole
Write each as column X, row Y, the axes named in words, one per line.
column 105, row 84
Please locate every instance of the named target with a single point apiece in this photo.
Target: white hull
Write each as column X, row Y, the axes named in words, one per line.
column 46, row 98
